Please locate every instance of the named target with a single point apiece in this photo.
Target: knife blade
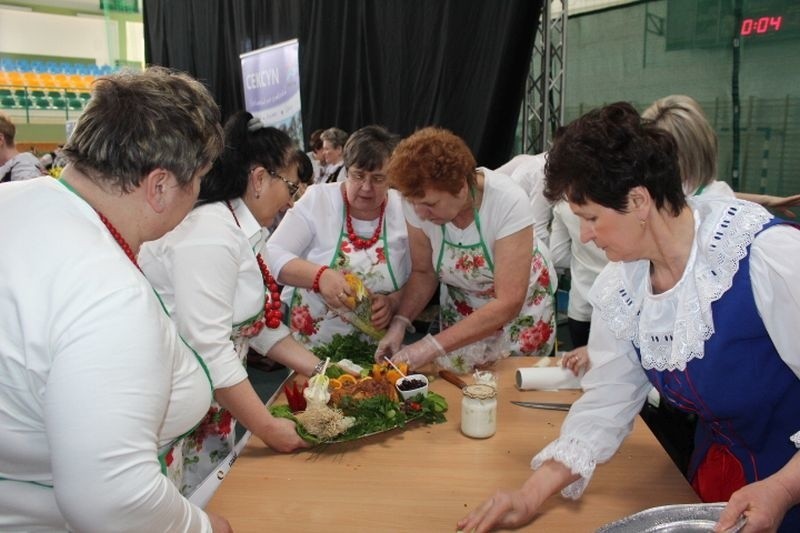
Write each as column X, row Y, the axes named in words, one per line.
column 544, row 405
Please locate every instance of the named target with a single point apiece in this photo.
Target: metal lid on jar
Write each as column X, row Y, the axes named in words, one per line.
column 479, row 392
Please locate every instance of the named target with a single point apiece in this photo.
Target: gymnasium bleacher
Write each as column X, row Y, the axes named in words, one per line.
column 53, row 86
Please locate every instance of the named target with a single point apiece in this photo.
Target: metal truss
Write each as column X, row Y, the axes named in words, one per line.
column 543, row 106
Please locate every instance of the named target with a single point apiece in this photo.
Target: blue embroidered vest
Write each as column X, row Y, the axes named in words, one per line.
column 745, row 397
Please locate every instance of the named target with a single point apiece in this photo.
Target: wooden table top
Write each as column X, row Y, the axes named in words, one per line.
column 425, row 478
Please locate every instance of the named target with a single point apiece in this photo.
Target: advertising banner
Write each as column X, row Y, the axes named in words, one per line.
column 271, row 79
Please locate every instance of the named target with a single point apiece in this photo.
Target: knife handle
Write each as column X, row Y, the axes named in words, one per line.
column 452, row 378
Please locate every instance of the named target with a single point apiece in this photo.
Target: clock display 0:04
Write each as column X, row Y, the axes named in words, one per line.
column 760, row 26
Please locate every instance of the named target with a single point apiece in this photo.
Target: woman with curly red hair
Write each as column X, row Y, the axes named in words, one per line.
column 470, row 231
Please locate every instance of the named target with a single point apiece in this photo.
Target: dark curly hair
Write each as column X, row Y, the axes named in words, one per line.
column 607, row 152
column 432, row 158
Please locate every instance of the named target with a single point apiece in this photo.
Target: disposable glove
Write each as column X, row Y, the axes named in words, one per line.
column 420, row 353
column 391, row 342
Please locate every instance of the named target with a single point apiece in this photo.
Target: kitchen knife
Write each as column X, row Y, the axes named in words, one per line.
column 545, row 405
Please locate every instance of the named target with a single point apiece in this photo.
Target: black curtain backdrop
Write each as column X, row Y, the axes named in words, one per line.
column 459, row 64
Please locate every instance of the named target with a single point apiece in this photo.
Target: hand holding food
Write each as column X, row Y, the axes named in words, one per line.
column 381, row 310
column 334, row 288
column 283, row 437
column 420, row 353
column 391, row 342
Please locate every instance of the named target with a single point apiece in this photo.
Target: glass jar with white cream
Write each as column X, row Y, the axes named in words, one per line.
column 479, row 411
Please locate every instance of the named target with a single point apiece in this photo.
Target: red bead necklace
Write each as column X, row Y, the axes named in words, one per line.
column 273, row 316
column 357, row 242
column 120, row 240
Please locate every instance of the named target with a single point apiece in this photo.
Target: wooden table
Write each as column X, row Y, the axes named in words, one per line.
column 425, row 478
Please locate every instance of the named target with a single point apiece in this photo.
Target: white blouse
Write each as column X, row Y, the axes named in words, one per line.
column 207, row 275
column 311, row 229
column 627, row 312
column 93, row 377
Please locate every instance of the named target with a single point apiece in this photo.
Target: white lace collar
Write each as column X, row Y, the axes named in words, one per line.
column 671, row 328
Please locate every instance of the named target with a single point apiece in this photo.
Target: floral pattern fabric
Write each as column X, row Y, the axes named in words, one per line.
column 310, row 320
column 467, row 277
column 198, row 454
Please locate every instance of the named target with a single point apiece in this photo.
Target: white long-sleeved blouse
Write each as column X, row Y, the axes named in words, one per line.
column 627, row 311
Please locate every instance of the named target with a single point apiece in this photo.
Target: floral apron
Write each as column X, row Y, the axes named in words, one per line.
column 466, row 273
column 211, row 448
column 310, row 319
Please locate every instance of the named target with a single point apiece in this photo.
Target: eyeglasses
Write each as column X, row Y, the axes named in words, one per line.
column 360, row 177
column 293, row 187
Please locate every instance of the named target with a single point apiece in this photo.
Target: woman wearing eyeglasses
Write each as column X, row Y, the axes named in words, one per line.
column 356, row 226
column 214, row 281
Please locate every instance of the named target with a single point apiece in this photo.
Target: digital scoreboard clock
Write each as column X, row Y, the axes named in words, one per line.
column 761, row 25
column 712, row 23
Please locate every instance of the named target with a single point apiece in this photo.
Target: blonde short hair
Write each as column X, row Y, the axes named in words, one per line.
column 696, row 140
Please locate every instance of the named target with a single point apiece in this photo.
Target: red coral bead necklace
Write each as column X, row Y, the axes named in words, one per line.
column 357, row 242
column 273, row 316
column 120, row 240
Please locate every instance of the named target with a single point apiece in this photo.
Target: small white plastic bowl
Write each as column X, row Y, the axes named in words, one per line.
column 408, row 394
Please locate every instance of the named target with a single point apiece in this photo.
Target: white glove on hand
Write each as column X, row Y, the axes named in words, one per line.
column 391, row 342
column 420, row 353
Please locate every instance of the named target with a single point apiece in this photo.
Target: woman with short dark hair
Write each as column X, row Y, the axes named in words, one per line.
column 701, row 300
column 340, row 228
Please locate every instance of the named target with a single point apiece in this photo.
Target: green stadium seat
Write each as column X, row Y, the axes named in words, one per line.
column 8, row 102
column 20, row 93
column 42, row 103
column 75, row 103
column 59, row 103
column 5, row 92
column 37, row 93
column 25, row 102
column 54, row 94
column 70, row 95
column 85, row 96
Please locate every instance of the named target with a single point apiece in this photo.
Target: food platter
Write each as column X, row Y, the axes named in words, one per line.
column 349, row 407
column 374, row 416
column 689, row 518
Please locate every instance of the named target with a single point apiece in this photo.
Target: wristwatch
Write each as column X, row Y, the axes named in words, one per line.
column 317, row 369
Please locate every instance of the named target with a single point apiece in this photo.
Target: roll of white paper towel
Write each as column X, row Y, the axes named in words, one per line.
column 547, row 378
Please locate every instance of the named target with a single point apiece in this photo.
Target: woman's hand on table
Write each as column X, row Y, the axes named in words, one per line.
column 506, row 509
column 282, row 436
column 576, row 360
column 219, row 524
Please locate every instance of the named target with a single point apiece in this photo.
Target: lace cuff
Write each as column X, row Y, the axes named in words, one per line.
column 575, row 455
column 795, row 439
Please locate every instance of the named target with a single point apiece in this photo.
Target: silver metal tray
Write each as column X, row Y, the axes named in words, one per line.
column 689, row 518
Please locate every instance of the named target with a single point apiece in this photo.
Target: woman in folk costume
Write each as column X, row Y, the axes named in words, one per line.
column 214, row 280
column 471, row 234
column 353, row 227
column 700, row 299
